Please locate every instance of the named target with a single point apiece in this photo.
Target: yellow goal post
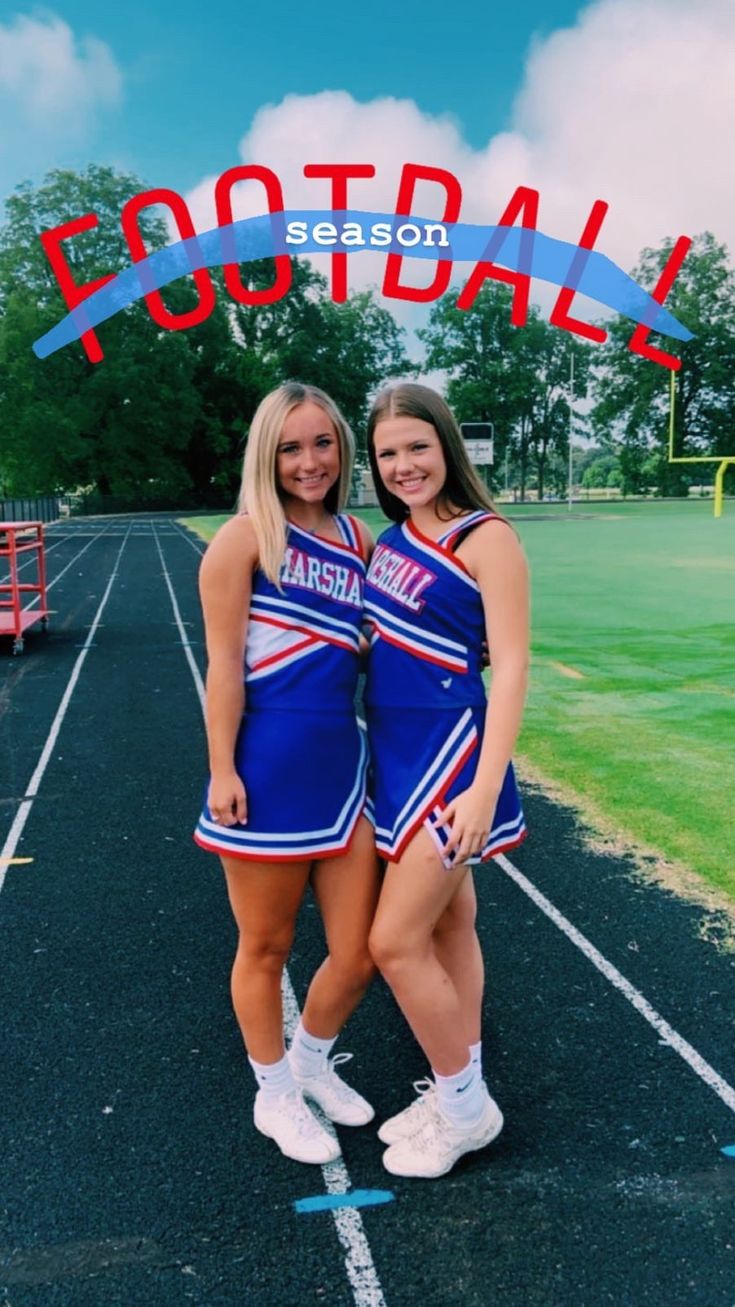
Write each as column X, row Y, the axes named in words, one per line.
column 724, row 462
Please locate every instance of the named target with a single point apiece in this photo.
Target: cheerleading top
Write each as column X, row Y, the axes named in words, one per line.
column 426, row 620
column 303, row 641
column 425, row 695
column 299, row 751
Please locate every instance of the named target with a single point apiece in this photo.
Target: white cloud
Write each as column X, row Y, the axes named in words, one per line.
column 634, row 104
column 331, row 127
column 53, row 80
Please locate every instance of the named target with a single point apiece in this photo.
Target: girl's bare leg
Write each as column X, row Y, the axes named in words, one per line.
column 458, row 950
column 346, row 890
column 416, row 892
column 265, row 899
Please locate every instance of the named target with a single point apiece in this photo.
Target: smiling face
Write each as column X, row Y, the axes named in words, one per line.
column 307, row 455
column 410, row 460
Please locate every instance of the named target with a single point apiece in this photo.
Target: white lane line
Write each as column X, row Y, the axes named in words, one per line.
column 641, row 1004
column 47, row 550
column 189, row 541
column 359, row 1265
column 367, row 1290
column 73, row 560
column 183, row 637
column 71, row 563
column 21, row 816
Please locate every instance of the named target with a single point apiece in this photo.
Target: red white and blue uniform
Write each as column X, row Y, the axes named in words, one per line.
column 425, row 694
column 299, row 751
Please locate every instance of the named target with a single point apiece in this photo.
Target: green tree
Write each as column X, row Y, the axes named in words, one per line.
column 632, row 394
column 549, row 355
column 124, row 425
column 516, row 378
column 347, row 349
column 599, row 471
column 477, row 347
column 166, row 413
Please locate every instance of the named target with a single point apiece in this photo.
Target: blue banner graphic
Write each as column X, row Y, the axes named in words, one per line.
column 308, row 231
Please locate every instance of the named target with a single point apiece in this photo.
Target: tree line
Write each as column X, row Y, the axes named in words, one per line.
column 165, row 417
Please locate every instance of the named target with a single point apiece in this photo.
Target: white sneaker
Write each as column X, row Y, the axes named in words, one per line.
column 433, row 1149
column 292, row 1124
column 337, row 1099
column 406, row 1122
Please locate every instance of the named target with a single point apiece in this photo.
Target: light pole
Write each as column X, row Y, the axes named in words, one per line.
column 571, row 423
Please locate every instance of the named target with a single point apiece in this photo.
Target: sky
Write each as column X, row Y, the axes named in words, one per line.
column 628, row 101
column 169, row 89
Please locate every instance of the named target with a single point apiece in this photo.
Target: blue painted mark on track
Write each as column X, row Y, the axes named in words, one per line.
column 357, row 1198
column 519, row 249
column 728, row 1150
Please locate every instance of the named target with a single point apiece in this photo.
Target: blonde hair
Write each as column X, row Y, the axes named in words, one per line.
column 259, row 490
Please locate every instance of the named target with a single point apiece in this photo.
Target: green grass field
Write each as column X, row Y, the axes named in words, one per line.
column 632, row 701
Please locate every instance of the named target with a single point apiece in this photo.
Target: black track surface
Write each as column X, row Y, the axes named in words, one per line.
column 132, row 1175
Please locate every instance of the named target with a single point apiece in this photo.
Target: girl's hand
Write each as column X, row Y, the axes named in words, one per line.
column 470, row 816
column 227, row 800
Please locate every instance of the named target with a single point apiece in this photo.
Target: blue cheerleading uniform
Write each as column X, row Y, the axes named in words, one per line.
column 299, row 751
column 425, row 694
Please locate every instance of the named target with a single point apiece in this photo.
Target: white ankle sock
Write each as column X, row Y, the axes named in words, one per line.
column 274, row 1078
column 309, row 1053
column 461, row 1097
column 476, row 1054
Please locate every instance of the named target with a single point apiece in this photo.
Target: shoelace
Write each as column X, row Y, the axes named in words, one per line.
column 336, row 1084
column 302, row 1116
column 339, row 1059
column 431, row 1129
column 424, row 1088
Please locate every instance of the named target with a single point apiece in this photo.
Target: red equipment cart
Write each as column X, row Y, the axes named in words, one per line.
column 18, row 538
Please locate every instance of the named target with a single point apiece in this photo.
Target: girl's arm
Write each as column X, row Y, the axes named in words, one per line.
column 367, row 545
column 225, row 586
column 495, row 559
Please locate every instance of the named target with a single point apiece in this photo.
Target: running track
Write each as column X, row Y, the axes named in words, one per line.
column 132, row 1176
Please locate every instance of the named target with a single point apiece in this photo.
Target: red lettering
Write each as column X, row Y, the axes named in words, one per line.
column 223, row 202
column 202, row 279
column 559, row 316
column 340, row 173
column 74, row 294
column 525, row 201
column 411, row 173
column 638, row 341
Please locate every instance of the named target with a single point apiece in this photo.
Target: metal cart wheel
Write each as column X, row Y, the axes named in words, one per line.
column 18, row 645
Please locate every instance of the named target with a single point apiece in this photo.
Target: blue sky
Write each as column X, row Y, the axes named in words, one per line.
column 625, row 101
column 193, row 74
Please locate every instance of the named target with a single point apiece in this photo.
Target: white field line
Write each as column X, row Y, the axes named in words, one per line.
column 183, row 637
column 669, row 1036
column 191, row 542
column 71, row 563
column 27, row 562
column 21, row 816
column 361, row 1272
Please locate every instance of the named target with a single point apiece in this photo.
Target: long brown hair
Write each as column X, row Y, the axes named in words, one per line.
column 462, row 488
